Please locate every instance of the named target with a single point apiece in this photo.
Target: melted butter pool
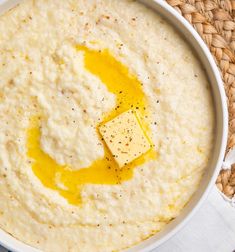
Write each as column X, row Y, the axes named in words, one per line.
column 129, row 94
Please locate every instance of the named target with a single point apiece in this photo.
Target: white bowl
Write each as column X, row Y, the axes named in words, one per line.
column 208, row 180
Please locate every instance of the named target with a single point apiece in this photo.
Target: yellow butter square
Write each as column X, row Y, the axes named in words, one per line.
column 125, row 138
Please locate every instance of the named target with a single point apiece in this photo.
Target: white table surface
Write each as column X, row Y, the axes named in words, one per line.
column 212, row 229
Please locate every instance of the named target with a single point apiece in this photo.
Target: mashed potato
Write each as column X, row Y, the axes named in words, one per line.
column 61, row 66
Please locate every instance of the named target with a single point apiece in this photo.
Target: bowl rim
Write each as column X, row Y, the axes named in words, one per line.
column 11, row 243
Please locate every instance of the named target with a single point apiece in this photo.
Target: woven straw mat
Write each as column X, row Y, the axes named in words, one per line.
column 215, row 22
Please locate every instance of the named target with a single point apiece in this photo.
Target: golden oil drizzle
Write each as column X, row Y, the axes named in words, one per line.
column 129, row 94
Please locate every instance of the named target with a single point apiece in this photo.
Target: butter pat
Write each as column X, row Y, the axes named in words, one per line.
column 125, row 138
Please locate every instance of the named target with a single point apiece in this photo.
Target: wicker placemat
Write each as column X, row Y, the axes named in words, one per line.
column 214, row 20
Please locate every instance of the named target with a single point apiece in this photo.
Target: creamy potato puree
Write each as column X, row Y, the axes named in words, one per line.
column 66, row 67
